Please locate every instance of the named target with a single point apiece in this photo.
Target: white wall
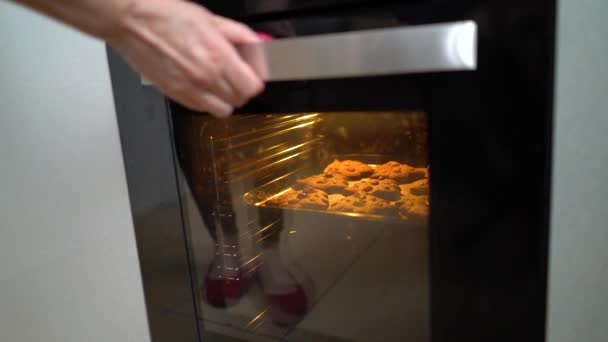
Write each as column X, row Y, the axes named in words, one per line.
column 68, row 261
column 578, row 299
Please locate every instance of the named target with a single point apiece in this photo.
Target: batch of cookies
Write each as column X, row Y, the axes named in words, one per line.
column 349, row 186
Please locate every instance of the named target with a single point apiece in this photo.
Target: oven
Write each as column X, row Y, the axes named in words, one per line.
column 390, row 184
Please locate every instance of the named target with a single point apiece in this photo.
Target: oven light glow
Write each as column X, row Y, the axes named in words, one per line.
column 256, row 318
column 252, row 260
column 308, row 116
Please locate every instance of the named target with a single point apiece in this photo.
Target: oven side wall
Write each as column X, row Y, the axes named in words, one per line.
column 579, row 231
column 143, row 123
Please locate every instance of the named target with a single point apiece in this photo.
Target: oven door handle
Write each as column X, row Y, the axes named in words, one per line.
column 403, row 50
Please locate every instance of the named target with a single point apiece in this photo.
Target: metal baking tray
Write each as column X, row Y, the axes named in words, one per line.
column 258, row 197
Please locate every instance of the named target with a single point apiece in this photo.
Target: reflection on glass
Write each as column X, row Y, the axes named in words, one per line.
column 310, row 226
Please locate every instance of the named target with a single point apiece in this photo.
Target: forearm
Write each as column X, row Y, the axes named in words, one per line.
column 101, row 18
column 188, row 52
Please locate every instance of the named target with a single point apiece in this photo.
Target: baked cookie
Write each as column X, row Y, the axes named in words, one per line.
column 426, row 170
column 420, row 187
column 307, row 198
column 414, row 207
column 362, row 203
column 351, row 169
column 401, row 173
column 386, row 189
column 417, row 188
column 328, row 182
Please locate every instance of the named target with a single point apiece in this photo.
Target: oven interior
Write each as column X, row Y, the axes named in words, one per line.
column 334, row 204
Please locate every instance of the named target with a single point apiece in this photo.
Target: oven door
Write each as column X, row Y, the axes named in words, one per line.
column 388, row 185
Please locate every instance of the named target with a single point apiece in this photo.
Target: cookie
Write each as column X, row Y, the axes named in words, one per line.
column 427, row 172
column 328, row 182
column 401, row 173
column 386, row 189
column 414, row 207
column 307, row 198
column 362, row 203
column 351, row 169
column 417, row 188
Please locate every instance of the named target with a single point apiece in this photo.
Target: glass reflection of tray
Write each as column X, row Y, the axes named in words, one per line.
column 260, row 197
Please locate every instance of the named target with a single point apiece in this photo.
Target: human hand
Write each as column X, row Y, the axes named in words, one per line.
column 189, row 54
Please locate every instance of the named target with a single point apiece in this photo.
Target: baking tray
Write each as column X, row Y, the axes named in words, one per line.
column 257, row 198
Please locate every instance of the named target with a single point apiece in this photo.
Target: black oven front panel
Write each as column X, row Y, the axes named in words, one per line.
column 273, row 256
column 240, row 9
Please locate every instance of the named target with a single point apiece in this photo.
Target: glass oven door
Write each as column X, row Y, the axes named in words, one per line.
column 309, row 209
column 311, row 225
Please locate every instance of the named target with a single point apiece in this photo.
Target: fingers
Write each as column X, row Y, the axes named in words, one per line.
column 256, row 58
column 218, row 68
column 236, row 32
column 213, row 104
column 221, row 71
column 195, row 97
column 225, row 91
column 239, row 34
column 245, row 82
column 226, row 76
column 191, row 55
column 204, row 101
column 244, row 79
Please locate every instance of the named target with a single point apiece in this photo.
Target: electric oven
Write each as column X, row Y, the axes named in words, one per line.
column 390, row 183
